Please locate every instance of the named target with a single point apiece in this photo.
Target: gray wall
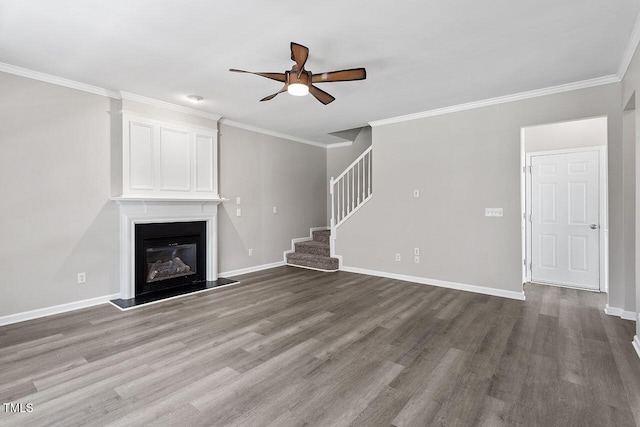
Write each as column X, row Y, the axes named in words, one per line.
column 265, row 171
column 56, row 218
column 461, row 163
column 631, row 84
column 625, row 296
column 339, row 158
column 574, row 134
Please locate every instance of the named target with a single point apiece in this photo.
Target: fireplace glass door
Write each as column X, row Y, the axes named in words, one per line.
column 169, row 255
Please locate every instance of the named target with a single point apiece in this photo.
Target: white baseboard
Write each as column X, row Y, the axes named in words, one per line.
column 56, row 309
column 441, row 283
column 251, row 269
column 619, row 312
column 636, row 344
column 312, row 268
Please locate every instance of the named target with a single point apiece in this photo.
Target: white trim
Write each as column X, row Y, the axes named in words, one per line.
column 524, row 230
column 147, row 198
column 599, row 81
column 73, row 84
column 632, row 45
column 270, row 133
column 603, row 209
column 620, row 312
column 56, row 309
column 148, row 211
column 440, row 283
column 312, row 268
column 253, row 269
column 146, row 304
column 340, row 144
column 636, row 344
column 144, row 116
column 169, row 106
column 48, row 78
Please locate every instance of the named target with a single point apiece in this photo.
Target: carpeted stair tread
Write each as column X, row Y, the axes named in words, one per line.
column 313, row 261
column 322, row 236
column 313, row 247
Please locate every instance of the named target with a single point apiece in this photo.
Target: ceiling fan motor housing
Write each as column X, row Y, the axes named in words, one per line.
column 304, row 77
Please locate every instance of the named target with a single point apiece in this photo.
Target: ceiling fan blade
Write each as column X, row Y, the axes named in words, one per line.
column 299, row 54
column 321, row 95
column 270, row 97
column 340, row 76
column 273, row 76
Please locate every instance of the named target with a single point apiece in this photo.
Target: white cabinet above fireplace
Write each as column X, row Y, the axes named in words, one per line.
column 167, row 160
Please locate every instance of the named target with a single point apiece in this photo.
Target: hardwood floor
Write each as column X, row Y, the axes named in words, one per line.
column 290, row 347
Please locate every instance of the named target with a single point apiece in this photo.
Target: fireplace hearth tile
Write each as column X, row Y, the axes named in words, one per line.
column 128, row 304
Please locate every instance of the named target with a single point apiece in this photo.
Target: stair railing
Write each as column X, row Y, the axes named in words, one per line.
column 350, row 191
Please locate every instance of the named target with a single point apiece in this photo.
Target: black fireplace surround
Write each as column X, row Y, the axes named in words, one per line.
column 169, row 256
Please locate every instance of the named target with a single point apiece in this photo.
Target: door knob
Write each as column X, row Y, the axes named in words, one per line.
column 594, row 226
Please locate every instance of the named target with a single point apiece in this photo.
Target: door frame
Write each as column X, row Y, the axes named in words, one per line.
column 603, row 231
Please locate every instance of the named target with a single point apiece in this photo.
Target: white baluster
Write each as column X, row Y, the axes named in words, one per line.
column 343, row 198
column 370, row 164
column 359, row 200
column 333, row 210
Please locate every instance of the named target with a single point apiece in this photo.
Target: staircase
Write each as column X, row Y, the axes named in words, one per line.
column 349, row 192
column 314, row 253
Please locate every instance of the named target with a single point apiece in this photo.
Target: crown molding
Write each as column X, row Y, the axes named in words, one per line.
column 340, row 144
column 500, row 100
column 48, row 78
column 169, row 106
column 270, row 133
column 72, row 84
column 632, row 45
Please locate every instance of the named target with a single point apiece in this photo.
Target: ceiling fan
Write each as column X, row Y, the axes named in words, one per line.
column 299, row 81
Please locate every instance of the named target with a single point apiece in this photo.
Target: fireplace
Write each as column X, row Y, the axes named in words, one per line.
column 169, row 255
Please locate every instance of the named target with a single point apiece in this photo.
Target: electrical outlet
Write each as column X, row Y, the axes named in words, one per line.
column 275, row 209
column 416, row 259
column 416, row 251
column 416, row 193
column 82, row 278
column 397, row 257
column 238, row 212
column 250, row 252
column 238, row 200
column 493, row 212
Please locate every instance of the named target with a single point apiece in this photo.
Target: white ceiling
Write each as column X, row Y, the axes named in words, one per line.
column 419, row 54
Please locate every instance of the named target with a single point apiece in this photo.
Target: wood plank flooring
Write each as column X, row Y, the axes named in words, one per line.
column 293, row 347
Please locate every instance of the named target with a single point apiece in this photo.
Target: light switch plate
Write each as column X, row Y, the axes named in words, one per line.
column 416, row 193
column 493, row 212
column 238, row 200
column 275, row 209
column 238, row 212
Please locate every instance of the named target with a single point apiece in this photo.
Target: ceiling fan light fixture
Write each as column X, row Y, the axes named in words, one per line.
column 298, row 89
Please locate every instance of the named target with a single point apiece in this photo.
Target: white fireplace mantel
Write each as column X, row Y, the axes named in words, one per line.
column 146, row 210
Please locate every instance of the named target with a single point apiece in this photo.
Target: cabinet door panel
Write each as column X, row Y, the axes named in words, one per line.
column 175, row 163
column 204, row 163
column 140, row 156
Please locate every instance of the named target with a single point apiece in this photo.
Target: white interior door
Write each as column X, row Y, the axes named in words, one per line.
column 565, row 221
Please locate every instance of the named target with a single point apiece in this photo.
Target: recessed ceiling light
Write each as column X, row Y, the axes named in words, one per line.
column 194, row 98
